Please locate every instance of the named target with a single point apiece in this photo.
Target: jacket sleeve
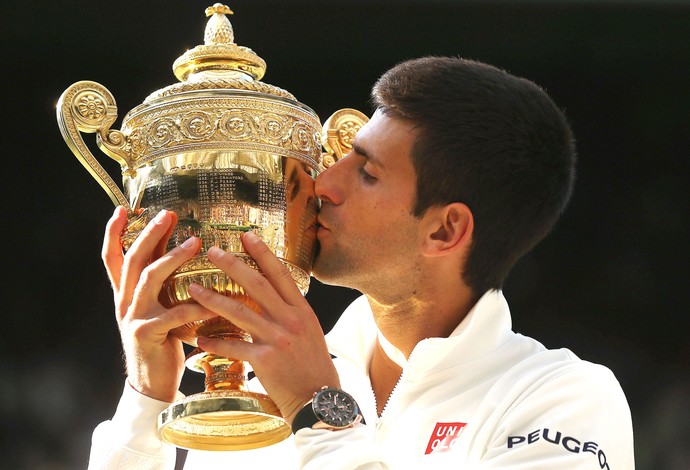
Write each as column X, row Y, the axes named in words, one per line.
column 574, row 416
column 130, row 439
column 348, row 449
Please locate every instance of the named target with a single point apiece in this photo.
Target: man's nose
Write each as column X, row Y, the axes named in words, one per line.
column 326, row 185
column 320, row 185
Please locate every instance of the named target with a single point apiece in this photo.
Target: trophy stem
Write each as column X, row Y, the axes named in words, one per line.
column 223, row 373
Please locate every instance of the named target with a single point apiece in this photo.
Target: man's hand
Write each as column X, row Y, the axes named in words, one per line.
column 155, row 359
column 288, row 350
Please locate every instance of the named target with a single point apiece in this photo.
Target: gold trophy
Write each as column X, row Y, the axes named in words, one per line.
column 228, row 153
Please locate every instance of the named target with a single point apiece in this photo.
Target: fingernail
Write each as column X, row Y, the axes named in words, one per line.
column 194, row 288
column 159, row 217
column 251, row 237
column 188, row 243
column 215, row 251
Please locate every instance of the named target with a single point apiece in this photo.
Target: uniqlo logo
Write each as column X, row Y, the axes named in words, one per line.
column 444, row 437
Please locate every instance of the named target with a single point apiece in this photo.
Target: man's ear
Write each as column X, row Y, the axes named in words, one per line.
column 448, row 229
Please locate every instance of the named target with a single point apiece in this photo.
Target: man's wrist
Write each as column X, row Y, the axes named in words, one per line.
column 144, row 388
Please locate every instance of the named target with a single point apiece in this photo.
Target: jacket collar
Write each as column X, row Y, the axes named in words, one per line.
column 485, row 328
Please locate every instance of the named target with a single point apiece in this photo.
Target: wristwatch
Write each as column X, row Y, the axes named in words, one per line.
column 331, row 408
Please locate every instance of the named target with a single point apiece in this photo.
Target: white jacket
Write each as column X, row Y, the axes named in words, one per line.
column 484, row 398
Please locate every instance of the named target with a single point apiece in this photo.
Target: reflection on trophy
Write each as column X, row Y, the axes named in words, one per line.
column 228, row 153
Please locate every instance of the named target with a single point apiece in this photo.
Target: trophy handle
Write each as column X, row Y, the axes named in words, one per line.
column 338, row 133
column 87, row 106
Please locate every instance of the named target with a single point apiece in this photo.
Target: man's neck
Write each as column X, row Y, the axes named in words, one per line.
column 406, row 323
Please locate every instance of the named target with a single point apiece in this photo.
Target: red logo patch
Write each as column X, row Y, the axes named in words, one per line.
column 443, row 437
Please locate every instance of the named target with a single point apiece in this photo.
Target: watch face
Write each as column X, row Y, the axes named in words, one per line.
column 335, row 407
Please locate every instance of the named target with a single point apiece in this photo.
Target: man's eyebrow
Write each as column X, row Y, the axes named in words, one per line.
column 361, row 151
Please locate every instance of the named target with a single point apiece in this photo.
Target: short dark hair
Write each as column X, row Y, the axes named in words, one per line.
column 488, row 139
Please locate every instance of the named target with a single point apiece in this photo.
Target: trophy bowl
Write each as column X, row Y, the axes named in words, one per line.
column 228, row 154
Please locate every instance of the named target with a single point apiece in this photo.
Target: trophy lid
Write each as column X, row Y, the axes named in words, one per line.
column 219, row 51
column 219, row 105
column 219, row 63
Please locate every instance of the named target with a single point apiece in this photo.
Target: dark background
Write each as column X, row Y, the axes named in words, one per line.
column 611, row 282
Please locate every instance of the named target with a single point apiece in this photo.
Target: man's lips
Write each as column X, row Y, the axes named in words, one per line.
column 321, row 227
column 320, row 223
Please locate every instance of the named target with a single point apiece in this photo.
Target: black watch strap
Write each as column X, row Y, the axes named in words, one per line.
column 305, row 418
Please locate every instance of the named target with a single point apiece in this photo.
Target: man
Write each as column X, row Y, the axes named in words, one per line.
column 462, row 169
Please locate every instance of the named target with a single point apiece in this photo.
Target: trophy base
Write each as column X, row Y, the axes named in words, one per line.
column 223, row 420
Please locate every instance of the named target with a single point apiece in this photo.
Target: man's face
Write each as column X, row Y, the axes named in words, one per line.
column 368, row 238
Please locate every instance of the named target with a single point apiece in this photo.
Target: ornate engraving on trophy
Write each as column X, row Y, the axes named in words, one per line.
column 90, row 106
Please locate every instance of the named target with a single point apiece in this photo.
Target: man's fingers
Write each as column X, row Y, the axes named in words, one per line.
column 149, row 282
column 230, row 348
column 273, row 269
column 111, row 253
column 160, row 249
column 254, row 284
column 273, row 288
column 233, row 310
column 169, row 319
column 141, row 252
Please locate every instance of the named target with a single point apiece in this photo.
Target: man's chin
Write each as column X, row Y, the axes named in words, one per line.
column 321, row 271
